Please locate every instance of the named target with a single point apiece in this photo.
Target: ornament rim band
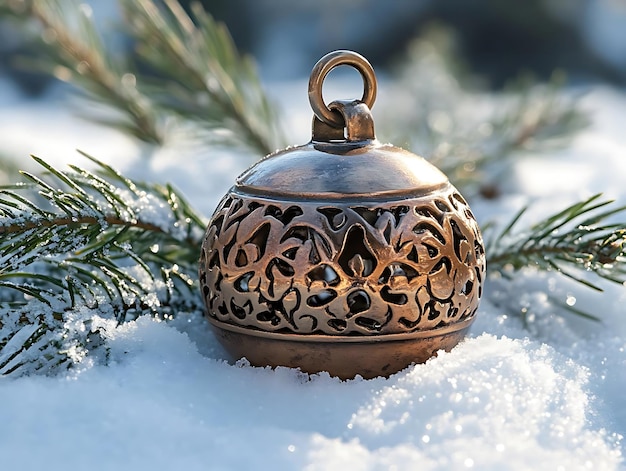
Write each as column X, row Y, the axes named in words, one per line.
column 321, row 70
column 326, row 338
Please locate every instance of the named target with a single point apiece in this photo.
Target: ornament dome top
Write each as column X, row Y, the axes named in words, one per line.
column 343, row 159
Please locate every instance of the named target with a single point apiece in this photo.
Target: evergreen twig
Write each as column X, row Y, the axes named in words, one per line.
column 463, row 130
column 580, row 237
column 194, row 72
column 78, row 239
column 78, row 56
column 95, row 226
column 202, row 75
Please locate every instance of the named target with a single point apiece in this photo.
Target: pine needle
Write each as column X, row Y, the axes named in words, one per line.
column 77, row 55
column 576, row 240
column 202, row 76
column 196, row 73
column 79, row 239
column 468, row 132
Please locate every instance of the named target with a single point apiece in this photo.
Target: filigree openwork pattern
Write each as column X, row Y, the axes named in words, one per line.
column 342, row 268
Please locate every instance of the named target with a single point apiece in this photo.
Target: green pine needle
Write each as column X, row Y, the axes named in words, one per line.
column 468, row 132
column 195, row 72
column 75, row 240
column 75, row 234
column 76, row 54
column 580, row 238
column 202, row 76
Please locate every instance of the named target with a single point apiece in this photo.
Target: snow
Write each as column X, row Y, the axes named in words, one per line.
column 494, row 402
column 546, row 395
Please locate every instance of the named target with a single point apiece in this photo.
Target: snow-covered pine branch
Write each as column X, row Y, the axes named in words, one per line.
column 76, row 240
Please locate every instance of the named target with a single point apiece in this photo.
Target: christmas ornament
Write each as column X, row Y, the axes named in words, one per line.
column 342, row 255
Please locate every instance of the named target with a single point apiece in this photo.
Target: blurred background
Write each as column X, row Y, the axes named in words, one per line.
column 494, row 40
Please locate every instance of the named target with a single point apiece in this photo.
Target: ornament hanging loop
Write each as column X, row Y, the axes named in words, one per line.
column 321, row 70
column 358, row 123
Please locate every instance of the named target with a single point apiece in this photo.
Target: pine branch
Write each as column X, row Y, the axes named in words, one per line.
column 202, row 76
column 78, row 56
column 35, row 340
column 78, row 241
column 196, row 72
column 529, row 117
column 97, row 221
column 578, row 239
column 469, row 133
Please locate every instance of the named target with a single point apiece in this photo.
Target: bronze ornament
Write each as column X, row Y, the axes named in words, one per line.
column 343, row 255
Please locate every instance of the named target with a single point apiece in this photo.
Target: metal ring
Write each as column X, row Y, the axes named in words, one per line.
column 323, row 67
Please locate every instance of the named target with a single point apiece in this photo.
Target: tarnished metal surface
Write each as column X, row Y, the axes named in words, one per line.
column 368, row 357
column 336, row 171
column 343, row 268
column 342, row 255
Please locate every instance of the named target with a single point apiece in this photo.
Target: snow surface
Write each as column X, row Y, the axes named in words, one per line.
column 546, row 396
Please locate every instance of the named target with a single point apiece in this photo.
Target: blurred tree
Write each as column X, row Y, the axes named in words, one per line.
column 498, row 40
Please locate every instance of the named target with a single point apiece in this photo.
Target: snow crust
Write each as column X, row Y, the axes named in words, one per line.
column 547, row 395
column 494, row 402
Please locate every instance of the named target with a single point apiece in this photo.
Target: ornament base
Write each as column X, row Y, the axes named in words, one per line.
column 343, row 357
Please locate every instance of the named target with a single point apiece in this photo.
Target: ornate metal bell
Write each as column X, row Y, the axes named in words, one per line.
column 342, row 255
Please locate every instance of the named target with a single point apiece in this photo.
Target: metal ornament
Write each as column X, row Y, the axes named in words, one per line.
column 342, row 255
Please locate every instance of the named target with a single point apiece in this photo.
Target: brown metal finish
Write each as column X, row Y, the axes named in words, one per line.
column 382, row 355
column 343, row 268
column 321, row 70
column 321, row 170
column 342, row 255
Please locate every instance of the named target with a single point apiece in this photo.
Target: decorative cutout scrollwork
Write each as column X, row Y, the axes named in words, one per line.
column 341, row 268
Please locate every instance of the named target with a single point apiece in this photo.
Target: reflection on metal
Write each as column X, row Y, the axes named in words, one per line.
column 343, row 255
